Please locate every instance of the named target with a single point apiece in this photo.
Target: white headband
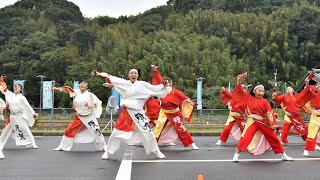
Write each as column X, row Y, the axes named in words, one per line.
column 133, row 70
column 259, row 86
column 84, row 82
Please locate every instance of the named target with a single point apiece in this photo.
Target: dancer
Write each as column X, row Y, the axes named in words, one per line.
column 2, row 102
column 152, row 105
column 170, row 126
column 2, row 107
column 84, row 127
column 314, row 123
column 260, row 119
column 291, row 104
column 21, row 117
column 152, row 108
column 132, row 125
column 235, row 122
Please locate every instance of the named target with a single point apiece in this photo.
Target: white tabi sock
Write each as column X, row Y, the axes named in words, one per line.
column 159, row 154
column 105, row 155
column 285, row 157
column 194, row 146
column 219, row 143
column 1, row 155
column 306, row 153
column 235, row 157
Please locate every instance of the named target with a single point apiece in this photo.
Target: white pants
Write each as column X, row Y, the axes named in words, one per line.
column 115, row 141
column 7, row 132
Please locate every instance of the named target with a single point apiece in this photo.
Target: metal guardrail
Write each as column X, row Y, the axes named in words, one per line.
column 61, row 116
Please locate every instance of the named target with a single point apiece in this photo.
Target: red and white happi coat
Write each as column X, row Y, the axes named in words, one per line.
column 87, row 116
column 176, row 107
column 235, row 114
column 291, row 105
column 256, row 111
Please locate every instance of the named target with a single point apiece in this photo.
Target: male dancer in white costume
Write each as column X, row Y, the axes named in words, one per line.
column 132, row 125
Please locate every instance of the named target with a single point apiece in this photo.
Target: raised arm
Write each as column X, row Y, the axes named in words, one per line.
column 304, row 96
column 157, row 90
column 225, row 95
column 121, row 85
column 157, row 77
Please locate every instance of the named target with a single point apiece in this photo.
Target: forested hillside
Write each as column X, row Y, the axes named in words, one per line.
column 214, row 39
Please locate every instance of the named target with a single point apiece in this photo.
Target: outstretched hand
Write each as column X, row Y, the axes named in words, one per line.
column 241, row 76
column 35, row 115
column 2, row 77
column 274, row 94
column 154, row 67
column 307, row 80
column 108, row 85
column 55, row 89
column 94, row 73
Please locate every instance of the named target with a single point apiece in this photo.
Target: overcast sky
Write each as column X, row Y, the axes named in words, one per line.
column 112, row 8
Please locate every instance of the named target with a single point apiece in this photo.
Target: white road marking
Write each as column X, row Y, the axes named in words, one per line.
column 219, row 160
column 124, row 172
column 216, row 148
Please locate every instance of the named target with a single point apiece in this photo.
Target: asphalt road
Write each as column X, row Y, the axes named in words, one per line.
column 213, row 162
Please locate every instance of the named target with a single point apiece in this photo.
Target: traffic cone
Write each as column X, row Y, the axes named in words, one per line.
column 200, row 177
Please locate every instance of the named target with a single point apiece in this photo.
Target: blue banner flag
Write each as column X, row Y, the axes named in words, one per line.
column 199, row 94
column 47, row 95
column 116, row 94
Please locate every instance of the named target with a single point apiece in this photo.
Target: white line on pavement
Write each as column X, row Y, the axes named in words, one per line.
column 124, row 172
column 219, row 160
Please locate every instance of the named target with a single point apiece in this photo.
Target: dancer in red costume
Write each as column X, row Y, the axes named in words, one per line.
column 314, row 123
column 170, row 126
column 152, row 105
column 261, row 120
column 235, row 122
column 291, row 104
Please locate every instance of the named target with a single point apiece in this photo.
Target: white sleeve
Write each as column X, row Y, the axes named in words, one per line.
column 121, row 85
column 158, row 90
column 27, row 105
column 98, row 109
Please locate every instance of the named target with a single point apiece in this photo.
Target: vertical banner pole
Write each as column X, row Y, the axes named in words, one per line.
column 52, row 106
column 199, row 97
